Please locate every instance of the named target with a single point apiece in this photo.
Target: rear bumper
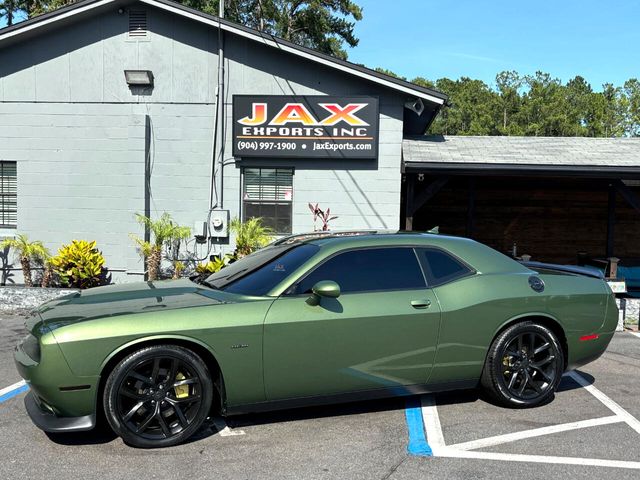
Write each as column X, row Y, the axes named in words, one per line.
column 49, row 422
column 583, row 352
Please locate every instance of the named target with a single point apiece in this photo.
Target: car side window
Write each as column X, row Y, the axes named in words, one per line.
column 368, row 269
column 441, row 267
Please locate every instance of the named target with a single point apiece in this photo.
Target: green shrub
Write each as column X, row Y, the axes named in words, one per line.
column 80, row 264
column 212, row 266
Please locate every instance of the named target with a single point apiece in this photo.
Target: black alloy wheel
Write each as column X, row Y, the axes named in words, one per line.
column 158, row 396
column 524, row 365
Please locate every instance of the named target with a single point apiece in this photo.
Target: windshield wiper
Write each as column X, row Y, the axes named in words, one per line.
column 210, row 285
column 201, row 280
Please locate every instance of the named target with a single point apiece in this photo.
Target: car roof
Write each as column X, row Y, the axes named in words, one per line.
column 344, row 236
column 481, row 257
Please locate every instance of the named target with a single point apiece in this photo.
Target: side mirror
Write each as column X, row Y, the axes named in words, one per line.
column 324, row 288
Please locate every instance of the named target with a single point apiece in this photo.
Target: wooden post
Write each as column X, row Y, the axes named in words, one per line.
column 611, row 220
column 409, row 203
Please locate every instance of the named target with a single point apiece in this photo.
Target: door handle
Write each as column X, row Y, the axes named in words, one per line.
column 425, row 303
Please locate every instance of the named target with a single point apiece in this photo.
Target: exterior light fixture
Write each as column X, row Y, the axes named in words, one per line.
column 139, row 78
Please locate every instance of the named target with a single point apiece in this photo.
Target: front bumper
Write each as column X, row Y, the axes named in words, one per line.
column 55, row 390
column 49, row 422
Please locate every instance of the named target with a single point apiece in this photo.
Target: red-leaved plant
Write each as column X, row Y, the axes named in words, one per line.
column 324, row 216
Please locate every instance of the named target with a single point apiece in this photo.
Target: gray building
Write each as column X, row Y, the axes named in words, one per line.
column 83, row 148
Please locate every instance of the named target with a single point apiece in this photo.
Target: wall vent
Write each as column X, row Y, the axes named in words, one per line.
column 137, row 23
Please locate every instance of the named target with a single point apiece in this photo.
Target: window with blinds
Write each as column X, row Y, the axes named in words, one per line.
column 268, row 193
column 8, row 195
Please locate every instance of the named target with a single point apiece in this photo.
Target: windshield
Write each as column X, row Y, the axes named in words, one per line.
column 258, row 273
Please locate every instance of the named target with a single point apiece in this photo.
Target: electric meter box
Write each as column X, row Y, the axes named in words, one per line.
column 200, row 231
column 219, row 225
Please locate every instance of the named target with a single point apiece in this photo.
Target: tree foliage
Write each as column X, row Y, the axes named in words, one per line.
column 13, row 11
column 325, row 25
column 536, row 105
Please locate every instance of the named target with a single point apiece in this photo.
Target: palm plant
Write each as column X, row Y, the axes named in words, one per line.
column 165, row 233
column 178, row 268
column 48, row 275
column 250, row 235
column 26, row 251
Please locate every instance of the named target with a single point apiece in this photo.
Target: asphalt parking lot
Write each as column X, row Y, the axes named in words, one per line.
column 590, row 429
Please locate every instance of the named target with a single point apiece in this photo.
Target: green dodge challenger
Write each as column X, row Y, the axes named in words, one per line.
column 315, row 318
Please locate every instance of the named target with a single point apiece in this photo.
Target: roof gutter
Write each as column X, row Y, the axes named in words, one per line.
column 458, row 168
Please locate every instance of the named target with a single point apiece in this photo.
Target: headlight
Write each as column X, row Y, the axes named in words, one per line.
column 31, row 346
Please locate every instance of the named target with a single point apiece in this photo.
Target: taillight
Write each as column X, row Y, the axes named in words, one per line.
column 31, row 346
column 585, row 338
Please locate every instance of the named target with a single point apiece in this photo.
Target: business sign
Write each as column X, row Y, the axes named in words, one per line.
column 305, row 126
column 617, row 286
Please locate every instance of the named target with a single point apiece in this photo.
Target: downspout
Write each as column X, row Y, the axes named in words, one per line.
column 215, row 200
column 220, row 102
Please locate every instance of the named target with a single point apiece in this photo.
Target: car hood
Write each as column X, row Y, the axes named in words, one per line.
column 124, row 299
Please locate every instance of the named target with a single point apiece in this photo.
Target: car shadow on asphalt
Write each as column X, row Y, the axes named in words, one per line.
column 569, row 383
column 470, row 396
column 99, row 435
column 317, row 411
column 102, row 434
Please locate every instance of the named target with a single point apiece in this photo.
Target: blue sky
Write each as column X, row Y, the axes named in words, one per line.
column 599, row 40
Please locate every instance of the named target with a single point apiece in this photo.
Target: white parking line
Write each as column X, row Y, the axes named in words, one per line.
column 13, row 387
column 431, row 421
column 632, row 421
column 537, row 432
column 224, row 430
column 436, row 441
column 515, row 457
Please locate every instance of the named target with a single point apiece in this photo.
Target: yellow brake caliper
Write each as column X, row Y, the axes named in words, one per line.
column 506, row 361
column 182, row 391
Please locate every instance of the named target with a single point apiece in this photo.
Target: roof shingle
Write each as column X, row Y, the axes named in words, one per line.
column 523, row 151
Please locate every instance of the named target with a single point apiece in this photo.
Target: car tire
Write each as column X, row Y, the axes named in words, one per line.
column 524, row 366
column 158, row 396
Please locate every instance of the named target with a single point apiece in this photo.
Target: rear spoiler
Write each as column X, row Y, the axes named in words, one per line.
column 572, row 269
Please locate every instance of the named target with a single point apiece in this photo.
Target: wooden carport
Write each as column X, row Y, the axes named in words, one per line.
column 556, row 199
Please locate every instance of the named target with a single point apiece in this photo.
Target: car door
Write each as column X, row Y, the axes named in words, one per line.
column 380, row 332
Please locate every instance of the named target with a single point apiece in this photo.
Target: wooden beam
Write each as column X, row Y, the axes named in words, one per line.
column 425, row 195
column 611, row 219
column 628, row 194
